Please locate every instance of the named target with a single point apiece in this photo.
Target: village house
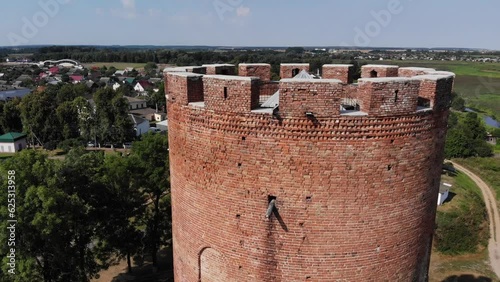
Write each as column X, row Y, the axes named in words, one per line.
column 12, row 142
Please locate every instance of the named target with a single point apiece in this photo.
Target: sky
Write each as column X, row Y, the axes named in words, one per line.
column 366, row 23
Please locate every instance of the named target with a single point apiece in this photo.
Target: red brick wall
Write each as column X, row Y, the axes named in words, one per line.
column 268, row 88
column 356, row 196
column 379, row 97
column 286, row 70
column 382, row 71
column 262, row 71
column 411, row 71
column 319, row 96
column 232, row 94
column 341, row 72
column 220, row 69
column 183, row 88
column 436, row 90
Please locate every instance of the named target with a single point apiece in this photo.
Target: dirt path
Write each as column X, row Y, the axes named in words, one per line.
column 493, row 215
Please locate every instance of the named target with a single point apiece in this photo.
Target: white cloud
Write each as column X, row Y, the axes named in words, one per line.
column 127, row 11
column 128, row 4
column 243, row 11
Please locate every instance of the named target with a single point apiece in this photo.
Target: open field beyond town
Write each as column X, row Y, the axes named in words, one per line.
column 117, row 65
column 478, row 83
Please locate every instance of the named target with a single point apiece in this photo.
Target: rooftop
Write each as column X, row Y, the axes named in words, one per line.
column 11, row 137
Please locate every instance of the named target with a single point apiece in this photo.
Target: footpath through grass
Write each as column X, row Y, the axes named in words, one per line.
column 486, row 168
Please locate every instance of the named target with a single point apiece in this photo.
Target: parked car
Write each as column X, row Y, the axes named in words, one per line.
column 154, row 130
column 90, row 144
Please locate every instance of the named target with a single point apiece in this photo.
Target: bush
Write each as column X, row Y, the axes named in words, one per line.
column 68, row 144
column 462, row 230
column 50, row 145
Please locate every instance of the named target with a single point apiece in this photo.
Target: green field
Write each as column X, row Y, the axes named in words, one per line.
column 478, row 83
column 118, row 66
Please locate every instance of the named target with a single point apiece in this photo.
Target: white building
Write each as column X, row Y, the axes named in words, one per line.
column 116, row 86
column 141, row 126
column 12, row 142
column 444, row 191
column 163, row 125
column 135, row 103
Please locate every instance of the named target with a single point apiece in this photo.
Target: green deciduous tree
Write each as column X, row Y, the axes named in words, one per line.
column 125, row 208
column 113, row 122
column 151, row 154
column 39, row 118
column 87, row 119
column 10, row 116
column 467, row 139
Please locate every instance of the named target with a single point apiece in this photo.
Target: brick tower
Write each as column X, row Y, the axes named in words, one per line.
column 335, row 181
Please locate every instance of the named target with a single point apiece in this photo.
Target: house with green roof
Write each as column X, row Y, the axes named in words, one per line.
column 12, row 142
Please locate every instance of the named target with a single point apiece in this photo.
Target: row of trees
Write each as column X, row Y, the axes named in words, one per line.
column 75, row 217
column 62, row 112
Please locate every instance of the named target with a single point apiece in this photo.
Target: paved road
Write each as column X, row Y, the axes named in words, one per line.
column 493, row 215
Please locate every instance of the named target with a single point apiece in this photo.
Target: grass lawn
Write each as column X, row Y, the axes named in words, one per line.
column 117, row 65
column 4, row 156
column 468, row 266
column 486, row 168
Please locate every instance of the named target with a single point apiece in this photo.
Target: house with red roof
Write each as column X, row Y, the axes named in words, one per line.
column 76, row 78
column 54, row 70
column 142, row 86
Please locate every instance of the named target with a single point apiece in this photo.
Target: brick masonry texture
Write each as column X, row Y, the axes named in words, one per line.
column 341, row 72
column 288, row 70
column 368, row 71
column 355, row 195
column 262, row 71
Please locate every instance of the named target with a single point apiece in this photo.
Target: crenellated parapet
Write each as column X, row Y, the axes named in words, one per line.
column 262, row 71
column 339, row 71
column 231, row 93
column 184, row 88
column 222, row 69
column 416, row 89
column 291, row 70
column 372, row 71
column 318, row 97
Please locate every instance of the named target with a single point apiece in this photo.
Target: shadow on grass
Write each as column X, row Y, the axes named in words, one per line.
column 450, row 197
column 467, row 278
column 147, row 273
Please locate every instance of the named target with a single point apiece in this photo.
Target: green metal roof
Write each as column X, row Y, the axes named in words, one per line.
column 129, row 80
column 11, row 137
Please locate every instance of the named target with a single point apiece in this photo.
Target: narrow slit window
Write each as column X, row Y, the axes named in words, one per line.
column 396, row 96
column 424, row 103
column 225, row 92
